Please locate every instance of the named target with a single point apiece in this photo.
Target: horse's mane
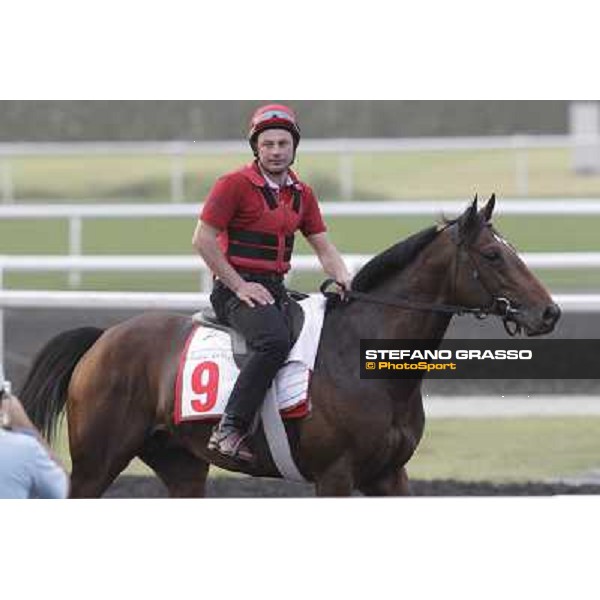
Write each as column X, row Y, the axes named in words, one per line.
column 394, row 259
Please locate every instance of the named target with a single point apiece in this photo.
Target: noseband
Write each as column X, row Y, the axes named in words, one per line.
column 499, row 305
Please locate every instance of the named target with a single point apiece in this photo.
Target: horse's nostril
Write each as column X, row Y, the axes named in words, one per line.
column 552, row 313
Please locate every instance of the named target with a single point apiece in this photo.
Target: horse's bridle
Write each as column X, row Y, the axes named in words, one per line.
column 499, row 305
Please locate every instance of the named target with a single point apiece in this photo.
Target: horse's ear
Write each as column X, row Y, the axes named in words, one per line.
column 488, row 209
column 468, row 221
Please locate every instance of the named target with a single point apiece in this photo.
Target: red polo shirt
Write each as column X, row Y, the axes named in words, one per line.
column 255, row 235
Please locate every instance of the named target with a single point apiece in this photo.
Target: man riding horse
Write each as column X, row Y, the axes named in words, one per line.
column 245, row 234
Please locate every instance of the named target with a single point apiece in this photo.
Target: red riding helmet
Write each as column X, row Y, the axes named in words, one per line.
column 273, row 116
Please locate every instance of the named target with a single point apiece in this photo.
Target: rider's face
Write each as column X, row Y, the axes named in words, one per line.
column 275, row 150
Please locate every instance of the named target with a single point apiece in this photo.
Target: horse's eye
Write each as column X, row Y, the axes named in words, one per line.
column 492, row 255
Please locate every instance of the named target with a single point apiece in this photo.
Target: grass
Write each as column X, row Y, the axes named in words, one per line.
column 507, row 450
column 364, row 235
column 497, row 450
column 351, row 235
column 415, row 175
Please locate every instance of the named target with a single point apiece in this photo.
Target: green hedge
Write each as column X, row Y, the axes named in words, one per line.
column 191, row 120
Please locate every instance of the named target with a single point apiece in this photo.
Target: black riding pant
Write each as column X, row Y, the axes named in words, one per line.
column 267, row 335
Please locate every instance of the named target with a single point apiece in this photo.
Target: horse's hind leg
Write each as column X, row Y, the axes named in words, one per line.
column 102, row 443
column 97, row 463
column 182, row 472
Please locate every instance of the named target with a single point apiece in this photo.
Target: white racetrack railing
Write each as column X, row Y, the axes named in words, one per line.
column 325, row 145
column 185, row 300
column 95, row 209
column 300, row 263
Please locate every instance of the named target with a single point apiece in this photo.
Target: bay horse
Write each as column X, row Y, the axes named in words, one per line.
column 118, row 384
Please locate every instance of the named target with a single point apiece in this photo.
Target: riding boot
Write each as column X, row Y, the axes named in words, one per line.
column 229, row 439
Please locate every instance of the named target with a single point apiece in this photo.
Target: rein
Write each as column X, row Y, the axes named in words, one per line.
column 500, row 306
column 406, row 302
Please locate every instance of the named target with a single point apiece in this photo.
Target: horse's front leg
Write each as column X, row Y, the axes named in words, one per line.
column 336, row 479
column 392, row 484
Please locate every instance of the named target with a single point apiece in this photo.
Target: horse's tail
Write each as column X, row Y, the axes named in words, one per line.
column 44, row 393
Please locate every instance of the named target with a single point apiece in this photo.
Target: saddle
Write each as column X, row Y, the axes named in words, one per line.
column 294, row 316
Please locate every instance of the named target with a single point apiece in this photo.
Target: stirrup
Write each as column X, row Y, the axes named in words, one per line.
column 220, row 441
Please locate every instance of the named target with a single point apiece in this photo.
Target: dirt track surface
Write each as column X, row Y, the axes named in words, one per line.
column 247, row 487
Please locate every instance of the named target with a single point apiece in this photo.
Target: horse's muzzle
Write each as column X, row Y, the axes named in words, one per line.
column 546, row 322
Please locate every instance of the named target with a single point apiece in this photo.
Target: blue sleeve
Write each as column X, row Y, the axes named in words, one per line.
column 49, row 480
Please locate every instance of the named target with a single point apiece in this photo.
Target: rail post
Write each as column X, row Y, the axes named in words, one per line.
column 177, row 174
column 75, row 246
column 8, row 188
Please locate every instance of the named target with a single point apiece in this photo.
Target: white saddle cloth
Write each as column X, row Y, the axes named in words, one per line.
column 207, row 370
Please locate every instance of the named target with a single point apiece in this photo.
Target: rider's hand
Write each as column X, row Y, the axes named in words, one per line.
column 343, row 285
column 17, row 417
column 253, row 293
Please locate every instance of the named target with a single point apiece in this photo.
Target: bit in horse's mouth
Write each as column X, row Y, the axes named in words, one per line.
column 537, row 332
column 542, row 329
